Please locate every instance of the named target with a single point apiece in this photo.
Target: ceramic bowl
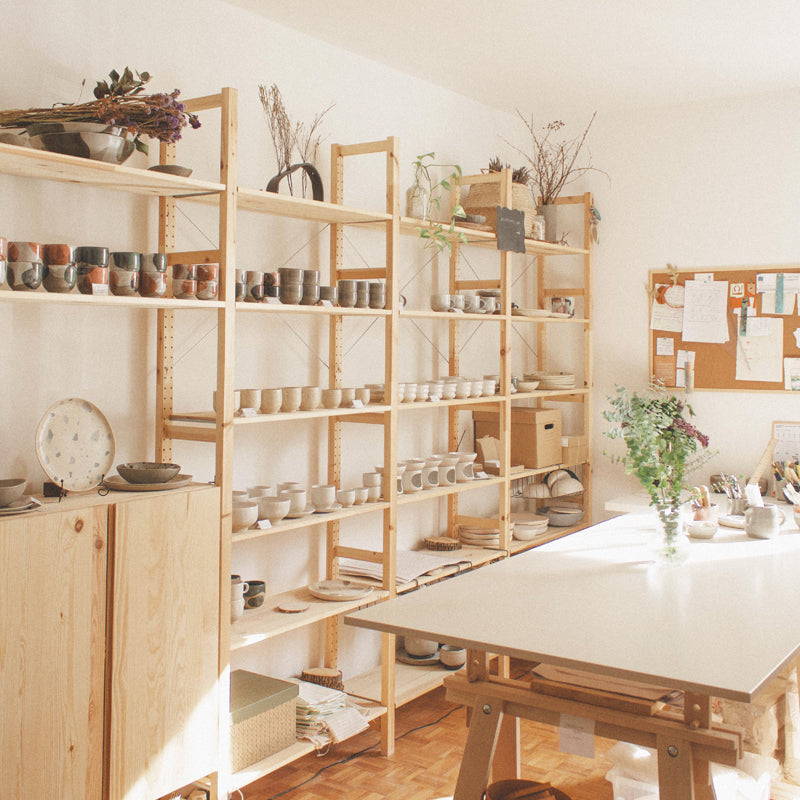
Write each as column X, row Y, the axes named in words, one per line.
column 452, row 656
column 91, row 255
column 244, row 513
column 527, row 386
column 361, row 495
column 702, row 530
column 565, row 486
column 273, row 508
column 58, row 254
column 91, row 278
column 310, row 296
column 152, row 284
column 60, row 277
column 310, row 277
column 184, row 272
column 183, row 288
column 562, row 515
column 290, row 293
column 25, row 276
column 417, row 647
column 123, row 282
column 207, row 272
column 171, row 169
column 11, row 489
column 25, row 251
column 207, row 290
column 148, row 471
column 125, row 259
column 154, row 262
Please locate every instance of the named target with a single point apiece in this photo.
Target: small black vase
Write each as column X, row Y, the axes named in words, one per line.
column 310, row 170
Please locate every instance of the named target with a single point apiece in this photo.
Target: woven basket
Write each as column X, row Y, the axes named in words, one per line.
column 483, row 198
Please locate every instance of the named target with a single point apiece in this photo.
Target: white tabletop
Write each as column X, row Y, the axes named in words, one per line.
column 722, row 623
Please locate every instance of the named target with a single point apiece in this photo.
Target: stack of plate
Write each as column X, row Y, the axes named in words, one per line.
column 20, row 506
column 479, row 537
column 528, row 526
column 553, row 380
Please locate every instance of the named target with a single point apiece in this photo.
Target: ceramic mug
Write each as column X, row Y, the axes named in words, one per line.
column 292, row 397
column 323, row 496
column 763, row 523
column 255, row 594
column 310, row 398
column 271, row 400
column 251, row 398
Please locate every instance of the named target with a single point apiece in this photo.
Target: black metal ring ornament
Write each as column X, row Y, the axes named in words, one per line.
column 313, row 175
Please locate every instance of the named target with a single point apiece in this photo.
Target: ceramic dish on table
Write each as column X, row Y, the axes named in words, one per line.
column 562, row 515
column 148, row 471
column 20, row 506
column 75, row 444
column 119, row 484
column 11, row 489
column 339, row 590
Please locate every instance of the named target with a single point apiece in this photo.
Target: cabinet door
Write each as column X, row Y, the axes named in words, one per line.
column 163, row 726
column 52, row 629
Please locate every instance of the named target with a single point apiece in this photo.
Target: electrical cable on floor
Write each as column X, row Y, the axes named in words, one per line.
column 361, row 753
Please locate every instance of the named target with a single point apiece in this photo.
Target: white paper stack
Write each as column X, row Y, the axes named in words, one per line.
column 326, row 715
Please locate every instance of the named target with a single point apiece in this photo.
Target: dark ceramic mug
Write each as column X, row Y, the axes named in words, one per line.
column 255, row 595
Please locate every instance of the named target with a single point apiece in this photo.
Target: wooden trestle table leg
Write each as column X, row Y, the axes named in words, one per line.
column 473, row 776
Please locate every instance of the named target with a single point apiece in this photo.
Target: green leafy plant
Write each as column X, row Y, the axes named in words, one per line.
column 521, row 175
column 661, row 445
column 435, row 233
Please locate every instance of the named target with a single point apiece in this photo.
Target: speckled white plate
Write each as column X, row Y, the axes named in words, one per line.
column 74, row 444
column 339, row 590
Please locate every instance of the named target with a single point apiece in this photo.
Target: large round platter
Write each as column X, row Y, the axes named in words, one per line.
column 74, row 444
column 339, row 590
column 119, row 484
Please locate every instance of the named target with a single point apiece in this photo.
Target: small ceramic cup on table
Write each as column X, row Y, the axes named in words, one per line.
column 310, row 398
column 346, row 497
column 348, row 395
column 292, row 397
column 251, row 398
column 60, row 272
column 271, row 400
column 322, row 496
column 331, row 398
column 361, row 495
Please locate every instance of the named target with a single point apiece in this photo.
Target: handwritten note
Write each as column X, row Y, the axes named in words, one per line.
column 705, row 312
column 760, row 358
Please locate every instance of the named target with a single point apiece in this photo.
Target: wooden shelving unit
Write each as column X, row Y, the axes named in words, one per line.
column 392, row 684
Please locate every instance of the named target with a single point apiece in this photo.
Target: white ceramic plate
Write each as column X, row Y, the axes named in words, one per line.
column 334, row 507
column 20, row 506
column 732, row 521
column 338, row 590
column 74, row 444
column 299, row 514
column 118, row 483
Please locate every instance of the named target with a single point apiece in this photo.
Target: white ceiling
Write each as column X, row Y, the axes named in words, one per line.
column 549, row 55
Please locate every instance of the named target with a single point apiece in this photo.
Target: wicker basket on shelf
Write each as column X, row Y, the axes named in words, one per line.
column 483, row 199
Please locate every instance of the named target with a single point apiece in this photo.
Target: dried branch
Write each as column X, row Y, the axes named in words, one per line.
column 553, row 162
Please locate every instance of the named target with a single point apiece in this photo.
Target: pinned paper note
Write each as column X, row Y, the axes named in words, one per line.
column 705, row 312
column 576, row 735
column 665, row 346
column 760, row 358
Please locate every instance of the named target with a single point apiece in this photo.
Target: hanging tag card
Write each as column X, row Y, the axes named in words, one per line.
column 510, row 229
column 249, row 412
column 576, row 735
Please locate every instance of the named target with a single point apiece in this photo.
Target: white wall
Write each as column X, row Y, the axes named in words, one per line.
column 701, row 185
column 108, row 355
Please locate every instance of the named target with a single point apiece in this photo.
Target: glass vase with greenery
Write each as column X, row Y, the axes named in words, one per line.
column 661, row 447
column 435, row 233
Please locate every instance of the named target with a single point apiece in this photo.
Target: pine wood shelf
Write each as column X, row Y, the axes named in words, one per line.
column 26, row 162
column 322, row 311
column 75, row 298
column 258, row 625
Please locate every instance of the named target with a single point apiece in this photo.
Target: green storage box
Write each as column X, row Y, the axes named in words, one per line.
column 263, row 717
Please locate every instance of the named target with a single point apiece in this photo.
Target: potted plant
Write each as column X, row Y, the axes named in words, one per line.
column 109, row 127
column 423, row 200
column 661, row 447
column 553, row 165
column 483, row 198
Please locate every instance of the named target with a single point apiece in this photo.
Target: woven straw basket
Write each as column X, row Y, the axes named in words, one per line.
column 483, row 198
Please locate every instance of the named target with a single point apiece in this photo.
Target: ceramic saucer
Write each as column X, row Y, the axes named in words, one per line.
column 119, row 484
column 334, row 507
column 20, row 506
column 298, row 514
column 339, row 590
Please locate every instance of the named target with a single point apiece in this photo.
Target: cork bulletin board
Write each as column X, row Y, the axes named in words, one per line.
column 757, row 305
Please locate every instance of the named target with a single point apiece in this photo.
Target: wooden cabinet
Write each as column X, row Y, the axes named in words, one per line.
column 52, row 629
column 163, row 634
column 109, row 621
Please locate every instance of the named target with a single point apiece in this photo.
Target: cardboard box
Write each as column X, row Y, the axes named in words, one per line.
column 535, row 434
column 489, row 455
column 574, row 450
column 263, row 717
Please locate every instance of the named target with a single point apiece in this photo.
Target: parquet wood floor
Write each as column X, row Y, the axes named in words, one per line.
column 426, row 761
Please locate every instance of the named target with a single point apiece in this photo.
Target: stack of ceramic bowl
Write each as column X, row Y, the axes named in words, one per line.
column 310, row 287
column 207, row 281
column 328, row 294
column 60, row 273
column 478, row 537
column 562, row 514
column 376, row 392
column 290, row 291
column 153, row 275
column 25, row 266
column 92, row 264
column 346, row 290
column 552, row 380
column 362, row 294
column 184, row 281
column 527, row 525
column 377, row 294
column 123, row 278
